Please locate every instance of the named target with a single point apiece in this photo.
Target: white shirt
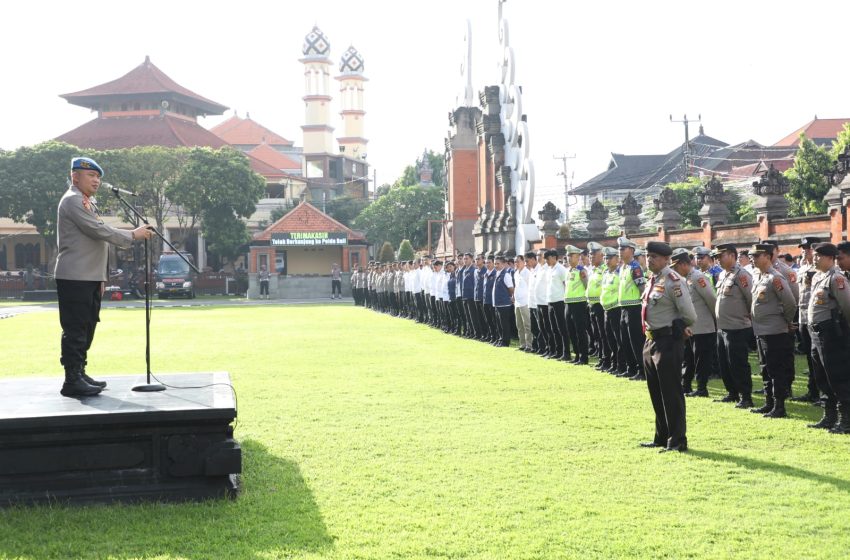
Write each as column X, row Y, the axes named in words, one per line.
column 416, row 280
column 556, row 280
column 541, row 286
column 426, row 279
column 521, row 292
column 532, row 285
column 433, row 283
column 442, row 285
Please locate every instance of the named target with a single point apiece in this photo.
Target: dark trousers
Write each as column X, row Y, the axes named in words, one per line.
column 806, row 346
column 613, row 321
column 699, row 353
column 547, row 334
column 79, row 314
column 558, row 322
column 472, row 322
column 776, row 352
column 482, row 320
column 577, row 327
column 490, row 318
column 830, row 353
column 733, row 347
column 420, row 306
column 632, row 338
column 534, row 314
column 336, row 288
column 597, row 320
column 505, row 316
column 264, row 287
column 662, row 362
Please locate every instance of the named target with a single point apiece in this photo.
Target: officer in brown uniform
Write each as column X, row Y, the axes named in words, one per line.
column 667, row 313
column 829, row 309
column 773, row 310
column 734, row 300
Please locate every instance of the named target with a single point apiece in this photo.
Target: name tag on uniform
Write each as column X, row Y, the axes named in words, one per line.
column 762, row 296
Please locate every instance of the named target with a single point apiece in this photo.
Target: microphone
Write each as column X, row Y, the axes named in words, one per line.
column 115, row 190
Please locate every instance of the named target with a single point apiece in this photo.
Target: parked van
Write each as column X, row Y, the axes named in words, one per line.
column 174, row 277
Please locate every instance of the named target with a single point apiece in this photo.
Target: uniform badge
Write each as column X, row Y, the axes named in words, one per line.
column 744, row 281
column 673, row 276
column 777, row 284
column 701, row 282
column 678, row 291
column 761, row 296
column 839, row 282
column 792, row 276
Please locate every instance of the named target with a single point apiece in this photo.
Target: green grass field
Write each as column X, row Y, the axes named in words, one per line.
column 370, row 437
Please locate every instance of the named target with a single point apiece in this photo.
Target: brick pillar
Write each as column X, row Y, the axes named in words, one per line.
column 707, row 235
column 344, row 266
column 764, row 227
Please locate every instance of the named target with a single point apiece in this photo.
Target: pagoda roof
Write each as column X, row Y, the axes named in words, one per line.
column 247, row 132
column 276, row 159
column 145, row 80
column 821, row 131
column 307, row 218
column 162, row 130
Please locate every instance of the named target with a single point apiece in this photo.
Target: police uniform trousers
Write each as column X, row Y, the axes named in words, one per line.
column 806, row 348
column 558, row 320
column 546, row 339
column 700, row 351
column 662, row 361
column 776, row 357
column 577, row 327
column 471, row 319
column 733, row 358
column 831, row 358
column 597, row 322
column 533, row 316
column 505, row 317
column 614, row 335
column 79, row 314
column 490, row 319
column 632, row 337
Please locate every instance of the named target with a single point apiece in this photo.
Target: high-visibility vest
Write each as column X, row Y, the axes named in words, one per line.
column 629, row 291
column 610, row 296
column 575, row 291
column 594, row 284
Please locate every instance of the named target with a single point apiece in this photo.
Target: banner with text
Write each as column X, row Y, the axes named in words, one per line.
column 309, row 238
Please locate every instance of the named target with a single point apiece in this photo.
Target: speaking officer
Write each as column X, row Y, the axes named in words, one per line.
column 829, row 310
column 632, row 282
column 81, row 267
column 734, row 302
column 667, row 313
column 702, row 346
column 773, row 310
column 575, row 299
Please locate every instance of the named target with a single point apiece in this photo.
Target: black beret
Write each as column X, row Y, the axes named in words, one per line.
column 808, row 241
column 844, row 247
column 761, row 248
column 659, row 248
column 826, row 249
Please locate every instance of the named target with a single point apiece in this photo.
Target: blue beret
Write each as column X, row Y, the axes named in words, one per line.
column 86, row 163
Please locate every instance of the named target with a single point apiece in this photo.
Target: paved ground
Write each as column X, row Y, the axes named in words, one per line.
column 8, row 312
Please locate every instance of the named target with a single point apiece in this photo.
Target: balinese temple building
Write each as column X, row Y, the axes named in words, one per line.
column 304, row 244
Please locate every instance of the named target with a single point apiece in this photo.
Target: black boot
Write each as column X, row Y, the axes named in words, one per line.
column 830, row 417
column 700, row 392
column 745, row 402
column 768, row 406
column 75, row 385
column 778, row 409
column 843, row 424
column 89, row 380
column 730, row 397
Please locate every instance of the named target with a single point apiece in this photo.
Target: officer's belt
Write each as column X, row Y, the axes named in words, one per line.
column 823, row 326
column 659, row 333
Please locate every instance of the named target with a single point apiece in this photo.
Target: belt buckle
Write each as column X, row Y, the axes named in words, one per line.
column 649, row 335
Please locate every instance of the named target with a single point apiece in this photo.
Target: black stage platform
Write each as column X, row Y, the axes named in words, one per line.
column 121, row 445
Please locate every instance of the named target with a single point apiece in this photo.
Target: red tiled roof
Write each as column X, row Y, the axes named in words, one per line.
column 115, row 133
column 143, row 79
column 304, row 218
column 269, row 155
column 824, row 129
column 245, row 132
column 269, row 172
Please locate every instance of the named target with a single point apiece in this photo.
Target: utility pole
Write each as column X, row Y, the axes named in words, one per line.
column 564, row 159
column 686, row 151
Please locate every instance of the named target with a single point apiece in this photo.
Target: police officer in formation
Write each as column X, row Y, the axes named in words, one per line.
column 682, row 316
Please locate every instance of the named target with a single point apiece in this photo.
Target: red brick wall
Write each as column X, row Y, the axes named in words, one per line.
column 463, row 178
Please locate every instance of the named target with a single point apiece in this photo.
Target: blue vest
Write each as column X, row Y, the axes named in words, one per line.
column 501, row 296
column 488, row 286
column 451, row 285
column 468, row 283
column 479, row 283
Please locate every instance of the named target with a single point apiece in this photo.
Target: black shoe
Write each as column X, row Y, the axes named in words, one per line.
column 700, row 392
column 90, row 381
column 778, row 410
column 75, row 385
column 638, row 377
column 681, row 448
column 843, row 424
column 807, row 397
column 830, row 417
column 728, row 398
column 652, row 444
column 745, row 402
column 768, row 406
column 583, row 361
column 687, row 389
column 575, row 359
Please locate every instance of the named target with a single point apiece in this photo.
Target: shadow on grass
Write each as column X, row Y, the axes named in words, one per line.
column 276, row 514
column 786, row 470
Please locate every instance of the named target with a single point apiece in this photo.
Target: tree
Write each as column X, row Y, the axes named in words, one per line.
column 808, row 179
column 387, row 253
column 32, row 181
column 842, row 141
column 218, row 189
column 345, row 209
column 740, row 210
column 280, row 211
column 402, row 213
column 405, row 251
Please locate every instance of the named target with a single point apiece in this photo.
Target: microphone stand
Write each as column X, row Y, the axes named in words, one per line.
column 136, row 218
